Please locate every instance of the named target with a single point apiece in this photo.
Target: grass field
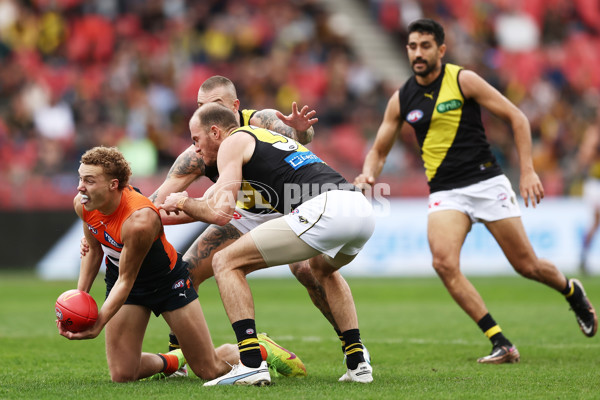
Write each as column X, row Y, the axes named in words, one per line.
column 422, row 344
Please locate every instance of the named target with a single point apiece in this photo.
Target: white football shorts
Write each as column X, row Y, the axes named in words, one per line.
column 485, row 201
column 591, row 192
column 244, row 221
column 334, row 221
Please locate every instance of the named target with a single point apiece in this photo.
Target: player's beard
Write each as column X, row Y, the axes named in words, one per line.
column 430, row 67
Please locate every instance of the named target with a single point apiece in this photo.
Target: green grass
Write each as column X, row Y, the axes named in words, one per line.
column 422, row 344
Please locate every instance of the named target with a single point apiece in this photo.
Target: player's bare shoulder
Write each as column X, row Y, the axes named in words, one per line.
column 470, row 83
column 142, row 222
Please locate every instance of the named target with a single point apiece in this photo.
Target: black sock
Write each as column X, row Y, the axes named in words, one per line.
column 493, row 331
column 574, row 296
column 173, row 342
column 245, row 332
column 354, row 348
column 341, row 337
column 567, row 290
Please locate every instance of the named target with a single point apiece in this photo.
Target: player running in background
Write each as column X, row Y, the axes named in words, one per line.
column 325, row 219
column 442, row 103
column 588, row 160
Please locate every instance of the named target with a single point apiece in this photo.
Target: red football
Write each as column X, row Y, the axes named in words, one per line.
column 76, row 309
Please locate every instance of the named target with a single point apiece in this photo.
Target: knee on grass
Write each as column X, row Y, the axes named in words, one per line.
column 123, row 376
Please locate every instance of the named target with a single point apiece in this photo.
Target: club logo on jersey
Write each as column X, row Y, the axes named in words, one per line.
column 302, row 158
column 414, row 116
column 179, row 284
column 92, row 229
column 112, row 241
column 289, row 146
column 449, row 106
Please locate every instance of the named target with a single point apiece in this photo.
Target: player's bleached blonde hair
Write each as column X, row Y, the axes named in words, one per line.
column 218, row 81
column 112, row 162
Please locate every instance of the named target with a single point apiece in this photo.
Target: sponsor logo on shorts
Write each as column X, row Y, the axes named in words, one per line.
column 414, row 116
column 435, row 203
column 179, row 284
column 92, row 229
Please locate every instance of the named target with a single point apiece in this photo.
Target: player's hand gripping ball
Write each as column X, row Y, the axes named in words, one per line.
column 76, row 310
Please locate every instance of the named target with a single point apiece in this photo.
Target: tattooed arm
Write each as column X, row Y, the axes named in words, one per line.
column 297, row 125
column 186, row 169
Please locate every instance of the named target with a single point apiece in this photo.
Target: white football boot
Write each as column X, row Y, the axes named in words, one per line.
column 363, row 374
column 242, row 375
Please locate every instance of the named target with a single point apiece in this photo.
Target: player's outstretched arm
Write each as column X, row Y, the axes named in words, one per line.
column 90, row 264
column 588, row 149
column 217, row 206
column 386, row 136
column 186, row 169
column 475, row 87
column 298, row 125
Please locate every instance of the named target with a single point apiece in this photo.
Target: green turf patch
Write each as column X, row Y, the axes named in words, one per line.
column 422, row 344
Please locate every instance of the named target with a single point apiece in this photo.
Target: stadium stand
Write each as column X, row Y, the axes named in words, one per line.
column 123, row 72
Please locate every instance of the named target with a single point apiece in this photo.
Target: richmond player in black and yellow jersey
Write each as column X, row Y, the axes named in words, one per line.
column 324, row 219
column 442, row 103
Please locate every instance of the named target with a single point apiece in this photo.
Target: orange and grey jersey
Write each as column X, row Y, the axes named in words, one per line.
column 161, row 257
column 449, row 130
column 282, row 174
column 212, row 172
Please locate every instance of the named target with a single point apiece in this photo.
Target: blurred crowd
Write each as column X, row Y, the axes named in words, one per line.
column 76, row 74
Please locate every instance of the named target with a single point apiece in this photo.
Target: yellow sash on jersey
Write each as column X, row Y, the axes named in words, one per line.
column 444, row 122
column 253, row 201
